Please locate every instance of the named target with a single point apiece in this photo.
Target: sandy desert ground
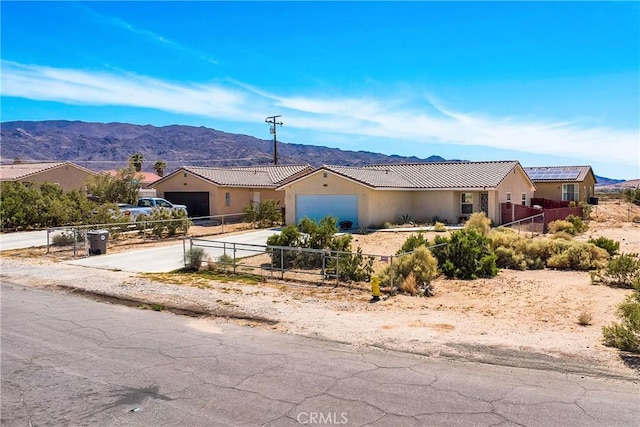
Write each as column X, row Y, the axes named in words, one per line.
column 524, row 318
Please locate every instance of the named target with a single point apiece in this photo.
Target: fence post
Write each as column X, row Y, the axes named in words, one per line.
column 48, row 229
column 75, row 242
column 391, row 275
column 222, row 224
column 282, row 263
column 234, row 258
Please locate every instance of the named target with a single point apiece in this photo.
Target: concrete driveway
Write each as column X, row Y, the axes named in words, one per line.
column 23, row 240
column 168, row 258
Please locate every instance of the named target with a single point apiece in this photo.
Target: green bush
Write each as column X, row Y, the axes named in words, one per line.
column 621, row 271
column 420, row 263
column 562, row 225
column 572, row 255
column 414, row 241
column 193, row 258
column 578, row 225
column 264, row 214
column 62, row 239
column 609, row 245
column 625, row 335
column 467, row 255
column 439, row 227
column 632, row 195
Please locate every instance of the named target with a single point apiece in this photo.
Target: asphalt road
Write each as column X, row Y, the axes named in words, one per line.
column 67, row 360
column 22, row 240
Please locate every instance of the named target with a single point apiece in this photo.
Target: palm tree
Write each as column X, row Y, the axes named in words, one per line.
column 159, row 166
column 136, row 160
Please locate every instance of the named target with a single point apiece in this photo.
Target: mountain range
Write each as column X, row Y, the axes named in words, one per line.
column 104, row 146
column 100, row 146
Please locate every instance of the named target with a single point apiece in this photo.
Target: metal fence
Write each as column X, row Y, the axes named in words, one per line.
column 73, row 238
column 293, row 263
column 534, row 224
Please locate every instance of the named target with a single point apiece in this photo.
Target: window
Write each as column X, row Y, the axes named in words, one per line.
column 570, row 192
column 508, row 197
column 524, row 199
column 324, row 174
column 467, row 203
column 227, row 199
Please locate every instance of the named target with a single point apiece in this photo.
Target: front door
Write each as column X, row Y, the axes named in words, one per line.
column 484, row 203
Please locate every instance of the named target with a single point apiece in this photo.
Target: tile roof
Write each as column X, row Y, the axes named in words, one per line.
column 440, row 175
column 18, row 171
column 250, row 176
column 558, row 173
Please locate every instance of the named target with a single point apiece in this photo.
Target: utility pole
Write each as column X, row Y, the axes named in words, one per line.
column 272, row 121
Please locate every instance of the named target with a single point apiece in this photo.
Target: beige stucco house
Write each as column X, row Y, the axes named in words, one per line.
column 567, row 183
column 372, row 195
column 67, row 175
column 215, row 190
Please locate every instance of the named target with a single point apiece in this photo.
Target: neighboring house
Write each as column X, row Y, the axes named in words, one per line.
column 372, row 195
column 146, row 178
column 67, row 175
column 225, row 190
column 567, row 183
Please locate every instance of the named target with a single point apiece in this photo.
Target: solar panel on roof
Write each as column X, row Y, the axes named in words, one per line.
column 553, row 174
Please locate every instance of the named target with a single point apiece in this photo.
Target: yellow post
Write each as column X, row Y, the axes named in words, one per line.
column 375, row 288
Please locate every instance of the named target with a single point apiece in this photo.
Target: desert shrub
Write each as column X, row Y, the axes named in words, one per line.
column 386, row 225
column 625, row 335
column 561, row 225
column 439, row 227
column 263, row 214
column 578, row 225
column 479, row 222
column 573, row 255
column 352, row 266
column 467, row 255
column 409, row 285
column 193, row 258
column 414, row 241
column 586, row 210
column 562, row 235
column 585, row 318
column 420, row 263
column 319, row 235
column 510, row 258
column 609, row 245
column 632, row 195
column 405, row 219
column 62, row 239
column 622, row 270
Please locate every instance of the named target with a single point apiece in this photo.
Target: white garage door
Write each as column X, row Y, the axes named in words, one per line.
column 343, row 207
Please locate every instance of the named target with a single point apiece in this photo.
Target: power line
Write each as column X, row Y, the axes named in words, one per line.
column 272, row 121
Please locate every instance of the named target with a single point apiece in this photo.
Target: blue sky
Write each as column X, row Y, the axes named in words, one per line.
column 545, row 83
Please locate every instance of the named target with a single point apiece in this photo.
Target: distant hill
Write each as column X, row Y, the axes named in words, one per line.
column 602, row 181
column 100, row 146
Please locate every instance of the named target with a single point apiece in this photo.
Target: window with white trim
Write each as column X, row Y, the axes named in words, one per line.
column 227, row 199
column 508, row 197
column 524, row 199
column 466, row 203
column 570, row 192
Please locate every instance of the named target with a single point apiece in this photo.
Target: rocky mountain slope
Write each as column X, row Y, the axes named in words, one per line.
column 100, row 146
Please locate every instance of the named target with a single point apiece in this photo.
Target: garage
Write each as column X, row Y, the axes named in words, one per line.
column 197, row 202
column 344, row 207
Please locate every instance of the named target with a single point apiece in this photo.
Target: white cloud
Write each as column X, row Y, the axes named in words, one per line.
column 392, row 119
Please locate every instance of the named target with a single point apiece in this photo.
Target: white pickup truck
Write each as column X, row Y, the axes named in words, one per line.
column 146, row 206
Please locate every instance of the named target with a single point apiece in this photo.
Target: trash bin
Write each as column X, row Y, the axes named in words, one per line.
column 98, row 241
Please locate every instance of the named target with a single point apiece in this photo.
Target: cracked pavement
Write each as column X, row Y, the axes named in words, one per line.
column 67, row 360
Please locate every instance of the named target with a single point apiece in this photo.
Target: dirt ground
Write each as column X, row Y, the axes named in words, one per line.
column 527, row 315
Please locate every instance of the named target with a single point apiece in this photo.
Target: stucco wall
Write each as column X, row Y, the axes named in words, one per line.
column 317, row 184
column 378, row 206
column 239, row 197
column 553, row 190
column 66, row 176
